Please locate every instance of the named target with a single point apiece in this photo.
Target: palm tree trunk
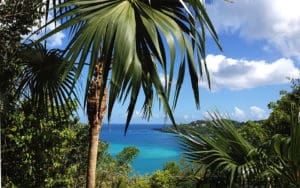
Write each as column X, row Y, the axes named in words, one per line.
column 95, row 114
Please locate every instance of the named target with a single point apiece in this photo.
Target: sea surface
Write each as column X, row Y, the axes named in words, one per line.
column 156, row 148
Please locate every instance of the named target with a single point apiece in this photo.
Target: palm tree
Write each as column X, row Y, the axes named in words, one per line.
column 221, row 150
column 285, row 163
column 41, row 80
column 127, row 44
column 45, row 94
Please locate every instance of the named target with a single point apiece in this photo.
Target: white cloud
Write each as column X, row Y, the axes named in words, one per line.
column 241, row 74
column 186, row 117
column 238, row 113
column 137, row 114
column 276, row 21
column 206, row 115
column 257, row 112
column 54, row 41
column 162, row 79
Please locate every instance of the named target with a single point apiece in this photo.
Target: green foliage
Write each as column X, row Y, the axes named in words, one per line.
column 16, row 18
column 124, row 158
column 179, row 177
column 265, row 153
column 42, row 80
column 172, row 175
column 222, row 150
column 45, row 151
column 40, row 152
column 52, row 152
column 190, row 174
column 114, row 171
column 141, row 182
column 285, row 166
column 280, row 119
column 19, row 16
column 161, row 179
column 172, row 167
column 254, row 132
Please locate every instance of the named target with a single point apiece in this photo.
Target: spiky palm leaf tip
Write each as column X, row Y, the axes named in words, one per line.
column 136, row 41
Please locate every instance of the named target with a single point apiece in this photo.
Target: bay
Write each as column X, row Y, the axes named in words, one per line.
column 156, row 147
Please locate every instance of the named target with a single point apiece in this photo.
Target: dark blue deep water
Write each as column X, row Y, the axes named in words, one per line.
column 156, row 148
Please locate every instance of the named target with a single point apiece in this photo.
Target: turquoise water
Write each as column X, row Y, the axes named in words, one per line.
column 156, row 148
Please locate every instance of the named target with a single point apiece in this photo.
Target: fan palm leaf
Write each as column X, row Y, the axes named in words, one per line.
column 221, row 149
column 41, row 79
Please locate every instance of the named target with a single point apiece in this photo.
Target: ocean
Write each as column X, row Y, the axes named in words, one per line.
column 156, row 148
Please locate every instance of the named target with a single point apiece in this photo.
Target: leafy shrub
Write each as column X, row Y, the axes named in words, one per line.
column 43, row 152
column 161, row 179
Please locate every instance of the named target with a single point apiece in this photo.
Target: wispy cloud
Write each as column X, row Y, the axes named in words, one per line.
column 251, row 113
column 186, row 117
column 257, row 113
column 238, row 113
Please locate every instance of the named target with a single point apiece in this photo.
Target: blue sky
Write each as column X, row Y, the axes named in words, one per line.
column 261, row 42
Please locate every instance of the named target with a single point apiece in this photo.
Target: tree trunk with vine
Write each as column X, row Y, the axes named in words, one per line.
column 95, row 114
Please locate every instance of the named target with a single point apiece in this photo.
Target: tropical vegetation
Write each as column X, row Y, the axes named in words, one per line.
column 126, row 44
column 256, row 154
column 49, row 152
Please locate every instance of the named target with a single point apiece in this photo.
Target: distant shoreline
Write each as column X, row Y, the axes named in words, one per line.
column 197, row 123
column 163, row 129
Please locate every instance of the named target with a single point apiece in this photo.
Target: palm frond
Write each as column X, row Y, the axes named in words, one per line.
column 137, row 40
column 221, row 148
column 286, row 161
column 42, row 79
